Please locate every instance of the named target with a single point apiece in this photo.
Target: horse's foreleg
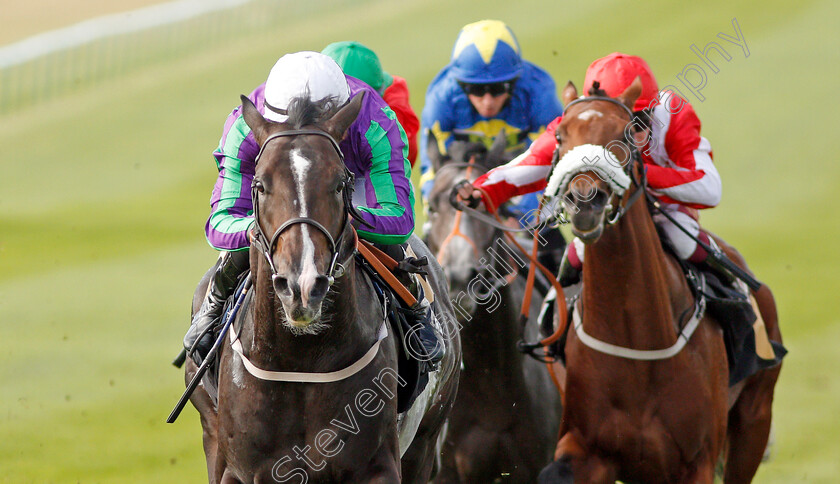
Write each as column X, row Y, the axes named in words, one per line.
column 207, row 413
column 208, row 426
column 418, row 463
column 704, row 472
column 749, row 428
column 227, row 478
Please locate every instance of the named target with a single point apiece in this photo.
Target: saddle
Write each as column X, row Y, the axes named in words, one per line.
column 728, row 301
column 748, row 349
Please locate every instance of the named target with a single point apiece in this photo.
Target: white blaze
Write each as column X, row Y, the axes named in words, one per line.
column 589, row 113
column 300, row 168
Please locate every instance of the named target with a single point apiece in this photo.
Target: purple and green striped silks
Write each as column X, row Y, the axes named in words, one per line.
column 375, row 150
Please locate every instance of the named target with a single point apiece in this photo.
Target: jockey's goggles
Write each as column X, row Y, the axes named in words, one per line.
column 495, row 89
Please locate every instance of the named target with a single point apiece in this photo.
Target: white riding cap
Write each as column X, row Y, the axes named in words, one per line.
column 305, row 73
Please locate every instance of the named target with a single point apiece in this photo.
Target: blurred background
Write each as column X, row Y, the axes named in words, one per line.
column 106, row 174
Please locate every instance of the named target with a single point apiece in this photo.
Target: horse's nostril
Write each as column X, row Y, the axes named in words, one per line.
column 319, row 288
column 297, row 313
column 473, row 273
column 599, row 200
column 281, row 286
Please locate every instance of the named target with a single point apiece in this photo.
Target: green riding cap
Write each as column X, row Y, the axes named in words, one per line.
column 360, row 62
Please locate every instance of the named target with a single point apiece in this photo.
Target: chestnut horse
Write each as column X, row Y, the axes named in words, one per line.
column 634, row 412
column 505, row 420
column 307, row 381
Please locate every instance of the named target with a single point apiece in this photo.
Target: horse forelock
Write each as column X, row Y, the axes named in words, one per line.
column 303, row 111
column 596, row 90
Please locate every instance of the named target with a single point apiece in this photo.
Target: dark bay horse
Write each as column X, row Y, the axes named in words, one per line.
column 633, row 411
column 307, row 381
column 504, row 423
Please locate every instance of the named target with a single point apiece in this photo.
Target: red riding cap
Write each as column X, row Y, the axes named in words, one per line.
column 617, row 71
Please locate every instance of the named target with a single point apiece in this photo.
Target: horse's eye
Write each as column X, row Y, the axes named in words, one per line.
column 259, row 186
column 339, row 187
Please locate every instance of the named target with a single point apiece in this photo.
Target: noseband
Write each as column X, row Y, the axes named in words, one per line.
column 266, row 246
column 640, row 182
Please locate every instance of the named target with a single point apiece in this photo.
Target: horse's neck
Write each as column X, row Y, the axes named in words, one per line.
column 493, row 328
column 629, row 289
column 271, row 345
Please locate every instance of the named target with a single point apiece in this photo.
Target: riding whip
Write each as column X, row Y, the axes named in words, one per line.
column 716, row 255
column 211, row 355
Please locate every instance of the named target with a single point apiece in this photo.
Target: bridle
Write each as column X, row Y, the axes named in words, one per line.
column 456, row 230
column 266, row 246
column 640, row 182
column 336, row 269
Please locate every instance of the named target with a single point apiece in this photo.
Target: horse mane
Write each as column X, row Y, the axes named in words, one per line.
column 303, row 111
column 596, row 90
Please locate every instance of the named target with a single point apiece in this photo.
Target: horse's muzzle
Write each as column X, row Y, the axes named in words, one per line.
column 587, row 213
column 301, row 301
column 589, row 236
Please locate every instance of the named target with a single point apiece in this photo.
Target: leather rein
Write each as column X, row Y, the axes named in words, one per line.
column 456, row 227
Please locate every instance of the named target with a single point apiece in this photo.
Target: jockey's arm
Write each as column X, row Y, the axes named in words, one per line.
column 524, row 174
column 695, row 182
column 397, row 97
column 388, row 190
column 231, row 214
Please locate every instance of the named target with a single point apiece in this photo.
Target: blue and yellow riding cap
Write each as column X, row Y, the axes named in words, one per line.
column 486, row 52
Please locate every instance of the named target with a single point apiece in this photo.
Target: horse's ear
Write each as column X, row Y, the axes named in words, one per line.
column 570, row 93
column 495, row 156
column 253, row 119
column 633, row 91
column 338, row 124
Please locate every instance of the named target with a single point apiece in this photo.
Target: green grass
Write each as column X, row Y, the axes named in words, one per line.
column 104, row 193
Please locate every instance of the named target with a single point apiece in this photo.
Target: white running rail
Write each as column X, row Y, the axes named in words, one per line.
column 109, row 25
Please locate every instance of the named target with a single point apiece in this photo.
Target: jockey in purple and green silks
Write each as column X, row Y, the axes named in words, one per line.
column 375, row 149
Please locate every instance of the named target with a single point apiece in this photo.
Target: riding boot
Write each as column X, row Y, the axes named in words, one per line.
column 704, row 260
column 199, row 337
column 568, row 273
column 433, row 349
column 571, row 266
